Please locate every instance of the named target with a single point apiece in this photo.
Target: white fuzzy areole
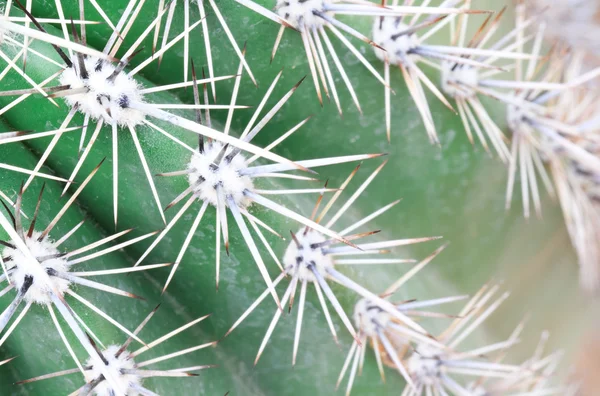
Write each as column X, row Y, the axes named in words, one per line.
column 368, row 317
column 384, row 30
column 299, row 13
column 105, row 99
column 515, row 117
column 225, row 175
column 457, row 80
column 519, row 123
column 587, row 178
column 425, row 365
column 297, row 259
column 39, row 290
column 115, row 365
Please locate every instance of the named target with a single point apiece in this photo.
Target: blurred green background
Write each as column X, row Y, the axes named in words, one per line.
column 455, row 191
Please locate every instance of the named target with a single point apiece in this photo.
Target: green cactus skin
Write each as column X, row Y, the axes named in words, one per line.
column 452, row 190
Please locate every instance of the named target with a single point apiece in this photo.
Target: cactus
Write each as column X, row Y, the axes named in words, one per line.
column 449, row 188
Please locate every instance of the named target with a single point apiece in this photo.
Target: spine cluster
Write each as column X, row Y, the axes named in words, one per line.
column 548, row 91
